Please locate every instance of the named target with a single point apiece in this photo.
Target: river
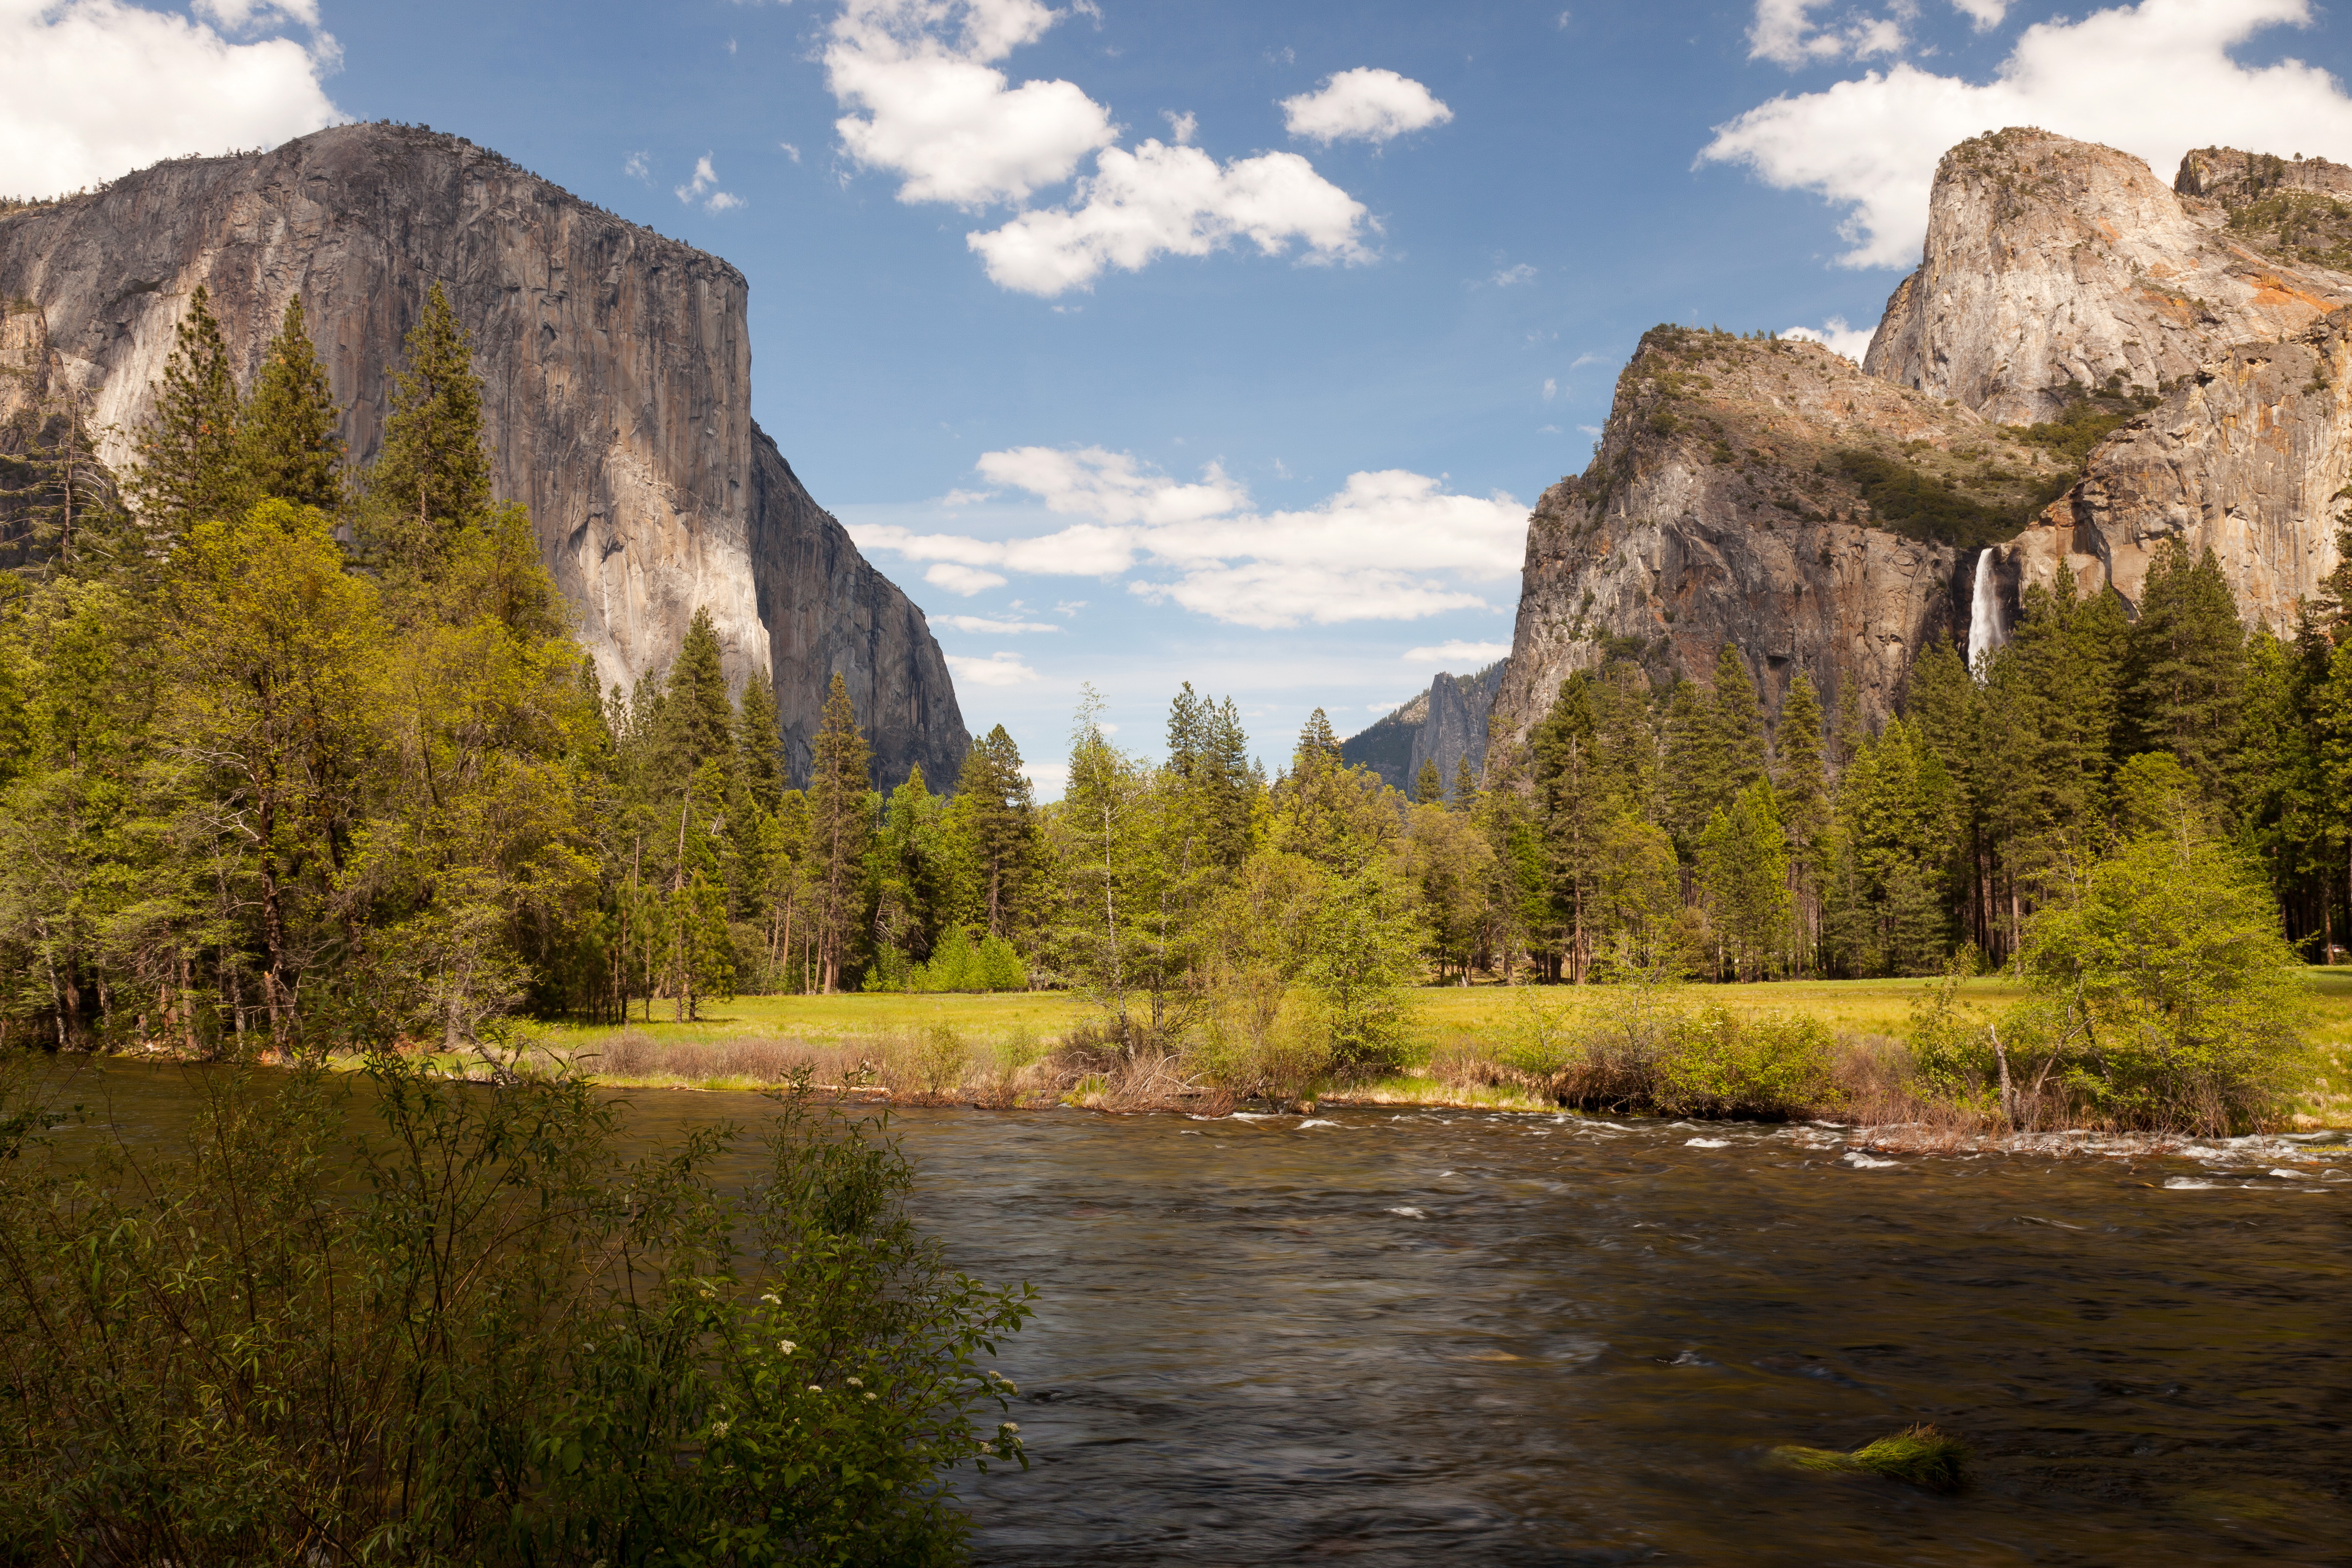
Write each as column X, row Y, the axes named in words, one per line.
column 1412, row 1337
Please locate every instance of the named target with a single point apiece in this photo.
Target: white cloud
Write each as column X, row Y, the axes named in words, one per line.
column 98, row 88
column 789, row 151
column 638, row 166
column 1047, row 780
column 236, row 15
column 1476, row 654
column 1181, row 127
column 1392, row 545
column 1550, row 388
column 1784, row 32
column 958, row 578
column 1985, row 13
column 927, row 103
column 706, row 179
column 1163, row 200
column 1510, row 275
column 983, row 624
column 1366, row 104
column 1838, row 337
column 2120, row 76
column 997, row 670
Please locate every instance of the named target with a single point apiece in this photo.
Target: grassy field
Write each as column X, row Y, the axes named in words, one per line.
column 1460, row 1017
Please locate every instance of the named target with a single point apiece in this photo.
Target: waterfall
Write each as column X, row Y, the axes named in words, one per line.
column 1986, row 632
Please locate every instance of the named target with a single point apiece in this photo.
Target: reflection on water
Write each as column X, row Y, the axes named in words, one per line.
column 1406, row 1337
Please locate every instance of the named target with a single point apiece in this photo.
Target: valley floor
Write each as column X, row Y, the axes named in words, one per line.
column 736, row 1040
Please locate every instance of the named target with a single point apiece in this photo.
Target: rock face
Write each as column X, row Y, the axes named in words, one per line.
column 1749, row 492
column 1443, row 724
column 616, row 370
column 1820, row 518
column 2247, row 457
column 2052, row 264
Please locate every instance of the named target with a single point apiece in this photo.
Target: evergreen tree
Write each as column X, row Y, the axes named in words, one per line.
column 996, row 821
column 432, row 478
column 1804, row 801
column 2184, row 674
column 288, row 444
column 1428, row 788
column 698, row 721
column 841, row 821
column 759, row 748
column 1693, row 765
column 190, row 463
column 1743, row 873
column 1739, row 744
column 1465, row 785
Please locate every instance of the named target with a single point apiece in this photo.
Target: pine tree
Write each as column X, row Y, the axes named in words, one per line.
column 1694, row 769
column 1804, row 799
column 1465, row 785
column 1428, row 787
column 993, row 816
column 288, row 444
column 1739, row 723
column 698, row 721
column 2185, row 670
column 759, row 748
column 433, row 476
column 840, row 827
column 189, row 466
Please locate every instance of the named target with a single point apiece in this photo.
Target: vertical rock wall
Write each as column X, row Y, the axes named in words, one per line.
column 616, row 369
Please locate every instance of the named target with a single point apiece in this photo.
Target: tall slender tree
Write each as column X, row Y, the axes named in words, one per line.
column 190, row 465
column 841, row 825
column 433, row 476
column 288, row 444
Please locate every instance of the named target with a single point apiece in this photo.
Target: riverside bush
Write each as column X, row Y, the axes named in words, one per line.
column 477, row 1334
column 1646, row 1046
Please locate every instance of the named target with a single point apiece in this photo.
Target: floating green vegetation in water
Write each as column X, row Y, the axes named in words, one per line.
column 1920, row 1455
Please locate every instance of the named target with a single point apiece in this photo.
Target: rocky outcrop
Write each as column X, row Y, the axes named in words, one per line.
column 2249, row 458
column 616, row 366
column 2053, row 265
column 1442, row 725
column 1769, row 495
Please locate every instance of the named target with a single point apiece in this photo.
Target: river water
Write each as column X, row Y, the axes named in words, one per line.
column 1412, row 1337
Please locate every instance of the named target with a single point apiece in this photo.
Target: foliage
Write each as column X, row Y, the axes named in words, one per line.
column 2166, row 998
column 503, row 1342
column 1919, row 505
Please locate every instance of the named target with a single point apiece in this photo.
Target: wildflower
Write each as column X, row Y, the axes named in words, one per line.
column 1008, row 1429
column 718, row 1429
column 785, row 1347
column 815, row 1389
column 772, row 1300
column 853, row 1382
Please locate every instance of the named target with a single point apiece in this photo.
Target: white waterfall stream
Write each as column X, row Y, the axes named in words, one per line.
column 1986, row 631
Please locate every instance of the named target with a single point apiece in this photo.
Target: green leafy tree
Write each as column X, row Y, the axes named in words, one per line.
column 2168, row 998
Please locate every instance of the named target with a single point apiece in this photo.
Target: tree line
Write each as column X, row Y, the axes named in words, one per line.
column 295, row 752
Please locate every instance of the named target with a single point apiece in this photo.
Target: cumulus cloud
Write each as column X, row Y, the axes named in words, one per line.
column 1510, row 275
column 927, row 103
column 1171, row 200
column 2119, row 76
column 704, row 188
column 1836, row 336
column 1366, row 104
column 983, row 624
column 959, row 578
column 98, row 88
column 997, row 670
column 1391, row 545
column 1784, row 32
column 926, row 100
column 1477, row 654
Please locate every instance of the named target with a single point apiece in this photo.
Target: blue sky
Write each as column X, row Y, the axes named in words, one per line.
column 1277, row 474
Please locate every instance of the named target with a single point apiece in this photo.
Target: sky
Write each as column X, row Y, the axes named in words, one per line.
column 1202, row 341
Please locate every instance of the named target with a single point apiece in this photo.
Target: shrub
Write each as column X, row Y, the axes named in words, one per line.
column 941, row 1060
column 2166, row 997
column 481, row 1336
column 1723, row 1064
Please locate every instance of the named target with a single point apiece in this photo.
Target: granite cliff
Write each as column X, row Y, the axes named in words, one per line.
column 1442, row 725
column 2086, row 363
column 616, row 366
column 2053, row 265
